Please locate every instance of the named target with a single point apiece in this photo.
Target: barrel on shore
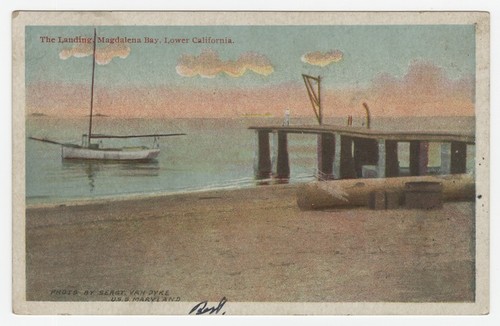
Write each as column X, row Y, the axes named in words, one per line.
column 359, row 192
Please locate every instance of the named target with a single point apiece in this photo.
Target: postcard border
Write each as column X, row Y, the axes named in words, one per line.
column 21, row 19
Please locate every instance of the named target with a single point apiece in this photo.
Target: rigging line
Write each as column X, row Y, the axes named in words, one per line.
column 137, row 136
column 310, row 77
column 46, row 140
column 311, row 99
column 310, row 90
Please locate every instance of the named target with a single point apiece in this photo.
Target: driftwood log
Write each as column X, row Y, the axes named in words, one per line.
column 356, row 192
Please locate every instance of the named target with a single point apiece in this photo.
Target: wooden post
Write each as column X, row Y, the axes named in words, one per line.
column 418, row 157
column 391, row 159
column 366, row 152
column 458, row 162
column 381, row 164
column 347, row 170
column 414, row 157
column 262, row 166
column 281, row 166
column 326, row 154
column 336, row 157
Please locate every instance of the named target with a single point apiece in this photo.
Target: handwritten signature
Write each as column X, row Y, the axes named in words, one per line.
column 202, row 308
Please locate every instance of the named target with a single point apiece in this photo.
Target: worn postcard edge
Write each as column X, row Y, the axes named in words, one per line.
column 21, row 19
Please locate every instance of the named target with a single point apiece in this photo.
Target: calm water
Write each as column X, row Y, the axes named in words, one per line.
column 215, row 153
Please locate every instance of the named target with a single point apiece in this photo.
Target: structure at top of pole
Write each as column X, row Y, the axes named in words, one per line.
column 314, row 96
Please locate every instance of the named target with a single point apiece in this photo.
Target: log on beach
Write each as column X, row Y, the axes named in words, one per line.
column 356, row 192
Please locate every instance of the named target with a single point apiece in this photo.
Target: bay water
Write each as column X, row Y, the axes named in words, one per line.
column 214, row 154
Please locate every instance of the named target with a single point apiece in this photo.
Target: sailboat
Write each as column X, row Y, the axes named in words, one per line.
column 89, row 150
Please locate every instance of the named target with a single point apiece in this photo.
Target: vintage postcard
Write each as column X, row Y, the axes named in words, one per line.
column 240, row 163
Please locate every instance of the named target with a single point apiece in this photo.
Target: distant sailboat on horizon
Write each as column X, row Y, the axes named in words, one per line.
column 93, row 151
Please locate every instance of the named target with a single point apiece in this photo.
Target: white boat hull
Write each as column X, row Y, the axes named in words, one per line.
column 103, row 154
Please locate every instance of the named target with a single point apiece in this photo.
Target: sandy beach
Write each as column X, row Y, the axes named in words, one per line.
column 250, row 244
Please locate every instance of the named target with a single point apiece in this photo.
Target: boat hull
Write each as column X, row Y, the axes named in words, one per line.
column 83, row 153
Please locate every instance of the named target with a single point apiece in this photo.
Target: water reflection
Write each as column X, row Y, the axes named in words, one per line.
column 269, row 180
column 89, row 170
column 119, row 172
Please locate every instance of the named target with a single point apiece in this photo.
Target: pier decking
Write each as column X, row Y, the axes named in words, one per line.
column 345, row 152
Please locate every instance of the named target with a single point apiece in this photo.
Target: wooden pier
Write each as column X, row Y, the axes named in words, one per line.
column 349, row 152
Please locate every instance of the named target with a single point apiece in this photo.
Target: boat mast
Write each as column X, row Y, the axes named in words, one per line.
column 92, row 91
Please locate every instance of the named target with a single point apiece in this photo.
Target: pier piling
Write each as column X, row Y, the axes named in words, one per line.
column 381, row 164
column 326, row 154
column 366, row 152
column 391, row 158
column 458, row 162
column 346, row 159
column 281, row 165
column 349, row 152
column 419, row 158
column 263, row 167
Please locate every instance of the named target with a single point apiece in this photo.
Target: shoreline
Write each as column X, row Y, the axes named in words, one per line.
column 138, row 196
column 252, row 188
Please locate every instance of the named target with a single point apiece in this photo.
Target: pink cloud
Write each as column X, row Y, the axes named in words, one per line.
column 425, row 89
column 104, row 55
column 322, row 59
column 208, row 64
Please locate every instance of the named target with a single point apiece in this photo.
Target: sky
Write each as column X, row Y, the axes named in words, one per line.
column 398, row 70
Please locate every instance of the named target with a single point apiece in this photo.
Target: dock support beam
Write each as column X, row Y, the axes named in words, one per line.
column 281, row 165
column 391, row 159
column 418, row 157
column 326, row 154
column 347, row 170
column 458, row 162
column 336, row 157
column 366, row 152
column 381, row 159
column 262, row 166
